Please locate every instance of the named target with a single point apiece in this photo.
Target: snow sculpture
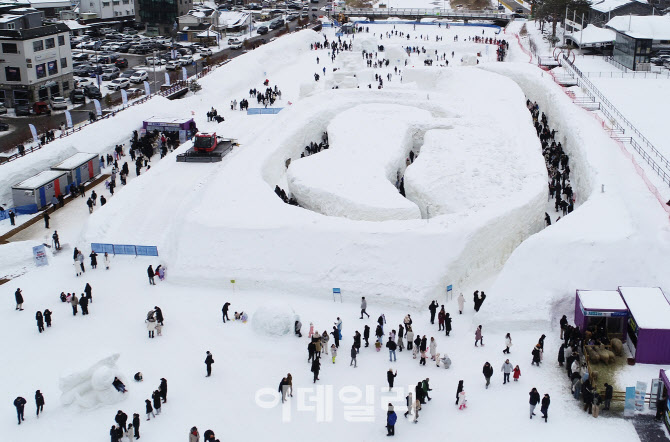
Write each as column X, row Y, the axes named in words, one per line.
column 92, row 387
column 274, row 320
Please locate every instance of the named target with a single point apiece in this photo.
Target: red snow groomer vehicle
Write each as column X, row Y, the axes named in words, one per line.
column 207, row 148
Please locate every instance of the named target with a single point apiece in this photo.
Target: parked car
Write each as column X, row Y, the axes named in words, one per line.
column 92, row 92
column 82, row 56
column 110, row 73
column 277, row 23
column 139, row 77
column 186, row 60
column 83, row 82
column 41, row 107
column 235, row 43
column 77, row 96
column 124, row 48
column 22, row 110
column 128, row 73
column 172, row 65
column 121, row 63
column 205, row 52
column 119, row 83
column 3, row 126
column 262, row 30
column 154, row 60
column 3, row 109
column 58, row 103
column 291, row 17
column 82, row 71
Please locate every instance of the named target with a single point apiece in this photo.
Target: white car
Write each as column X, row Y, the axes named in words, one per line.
column 154, row 60
column 85, row 82
column 139, row 77
column 185, row 60
column 205, row 52
column 119, row 83
column 58, row 103
column 235, row 44
column 172, row 65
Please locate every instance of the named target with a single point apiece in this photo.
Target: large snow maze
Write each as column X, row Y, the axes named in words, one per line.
column 475, row 191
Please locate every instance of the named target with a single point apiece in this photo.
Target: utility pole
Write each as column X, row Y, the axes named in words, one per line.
column 154, row 52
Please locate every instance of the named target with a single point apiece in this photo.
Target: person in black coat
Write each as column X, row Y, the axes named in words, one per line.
column 113, row 436
column 20, row 404
column 419, row 393
column 488, row 372
column 88, row 290
column 534, row 400
column 39, row 402
column 536, row 355
column 316, row 366
column 401, row 333
column 19, row 299
column 476, row 300
column 40, row 321
column 47, row 317
column 366, row 335
column 563, row 323
column 159, row 315
column 209, row 360
column 561, row 355
column 224, row 311
column 390, row 377
column 136, row 425
column 209, row 435
column 458, row 390
column 336, row 336
column 545, row 407
column 447, row 324
column 609, row 392
column 121, row 418
column 83, row 303
column 151, row 274
column 357, row 341
column 433, row 308
column 162, row 388
column 156, row 397
column 379, row 333
column 46, row 218
column 587, row 396
column 94, row 259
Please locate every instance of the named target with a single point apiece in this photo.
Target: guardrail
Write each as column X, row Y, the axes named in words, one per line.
column 124, row 249
column 606, row 102
column 423, row 12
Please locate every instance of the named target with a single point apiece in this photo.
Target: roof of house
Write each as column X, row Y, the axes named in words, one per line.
column 27, row 34
column 74, row 25
column 39, row 180
column 648, row 305
column 611, row 5
column 592, row 35
column 609, row 300
column 654, row 27
column 75, row 161
column 232, row 19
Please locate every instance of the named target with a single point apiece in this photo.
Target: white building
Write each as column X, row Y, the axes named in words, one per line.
column 36, row 61
column 108, row 9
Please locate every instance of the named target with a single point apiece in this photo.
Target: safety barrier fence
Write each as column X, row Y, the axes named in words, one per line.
column 28, row 209
column 264, row 110
column 124, row 249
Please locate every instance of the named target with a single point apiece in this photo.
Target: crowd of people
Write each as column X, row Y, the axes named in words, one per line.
column 131, row 430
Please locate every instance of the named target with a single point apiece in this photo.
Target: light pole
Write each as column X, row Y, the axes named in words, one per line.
column 154, row 52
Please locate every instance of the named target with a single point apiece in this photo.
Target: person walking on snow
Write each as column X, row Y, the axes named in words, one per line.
column 107, row 265
column 316, row 367
column 333, row 352
column 74, row 301
column 390, row 377
column 391, row 419
column 209, row 360
column 517, row 373
column 364, row 306
column 224, row 312
column 534, row 400
column 39, row 402
column 94, row 260
column 536, row 355
column 20, row 404
column 506, row 369
column 508, row 343
column 488, row 372
column 151, row 274
column 47, row 317
column 40, row 321
column 353, row 357
column 381, row 321
column 324, row 342
column 478, row 336
column 149, row 409
column 366, row 335
column 391, row 345
column 447, row 324
column 338, row 324
column 136, row 425
column 440, row 319
column 156, row 396
column 433, row 309
column 545, row 407
column 461, row 303
column 18, row 296
column 336, row 336
column 433, row 348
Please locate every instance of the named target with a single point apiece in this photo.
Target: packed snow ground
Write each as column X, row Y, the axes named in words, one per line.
column 214, row 223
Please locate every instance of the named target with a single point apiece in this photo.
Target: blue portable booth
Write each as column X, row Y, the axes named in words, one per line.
column 80, row 168
column 40, row 188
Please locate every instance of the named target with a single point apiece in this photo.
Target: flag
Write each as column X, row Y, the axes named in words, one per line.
column 34, row 132
column 167, row 79
column 124, row 97
column 147, row 88
column 68, row 118
column 98, row 109
column 184, row 74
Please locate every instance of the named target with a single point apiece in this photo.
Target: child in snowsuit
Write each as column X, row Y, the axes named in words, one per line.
column 517, row 373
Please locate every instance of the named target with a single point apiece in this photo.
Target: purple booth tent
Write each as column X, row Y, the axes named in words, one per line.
column 666, row 389
column 595, row 308
column 648, row 324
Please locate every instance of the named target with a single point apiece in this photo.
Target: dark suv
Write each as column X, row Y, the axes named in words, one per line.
column 92, row 92
column 77, row 96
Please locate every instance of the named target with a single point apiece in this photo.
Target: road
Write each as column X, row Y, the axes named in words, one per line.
column 20, row 131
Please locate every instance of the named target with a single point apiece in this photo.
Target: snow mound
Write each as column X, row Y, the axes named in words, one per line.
column 274, row 320
column 354, row 177
column 92, row 388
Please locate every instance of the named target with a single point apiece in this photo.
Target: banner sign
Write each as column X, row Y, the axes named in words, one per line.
column 98, row 109
column 33, row 131
column 68, row 118
column 629, row 404
column 640, row 390
column 40, row 255
column 184, row 74
column 147, row 89
column 167, row 79
column 124, row 97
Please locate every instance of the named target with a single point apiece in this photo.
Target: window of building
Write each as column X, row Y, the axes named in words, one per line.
column 10, row 48
column 50, row 43
column 63, row 63
column 38, row 46
column 105, row 4
column 12, row 73
column 126, row 2
column 61, row 40
column 41, row 70
column 116, row 3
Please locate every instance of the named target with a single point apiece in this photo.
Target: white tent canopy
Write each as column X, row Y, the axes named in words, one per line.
column 592, row 36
